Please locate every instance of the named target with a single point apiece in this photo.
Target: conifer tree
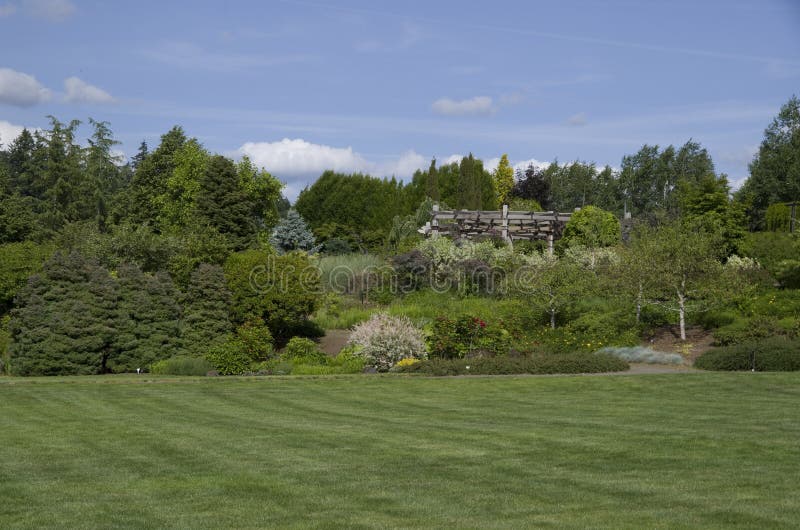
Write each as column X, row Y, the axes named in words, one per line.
column 292, row 233
column 222, row 203
column 503, row 180
column 149, row 319
column 206, row 319
column 66, row 320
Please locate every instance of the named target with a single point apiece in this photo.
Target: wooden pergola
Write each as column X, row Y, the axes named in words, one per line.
column 508, row 225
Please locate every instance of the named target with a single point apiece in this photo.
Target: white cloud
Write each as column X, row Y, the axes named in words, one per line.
column 20, row 89
column 53, row 10
column 473, row 106
column 6, row 10
column 298, row 162
column 577, row 120
column 79, row 91
column 518, row 165
column 8, row 132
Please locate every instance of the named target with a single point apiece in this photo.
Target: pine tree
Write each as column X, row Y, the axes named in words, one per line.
column 292, row 233
column 149, row 319
column 206, row 319
column 66, row 320
column 223, row 204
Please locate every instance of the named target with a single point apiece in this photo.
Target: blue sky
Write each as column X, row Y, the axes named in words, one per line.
column 382, row 87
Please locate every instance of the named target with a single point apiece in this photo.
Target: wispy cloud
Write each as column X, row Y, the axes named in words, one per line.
column 21, row 89
column 193, row 56
column 577, row 120
column 79, row 91
column 478, row 105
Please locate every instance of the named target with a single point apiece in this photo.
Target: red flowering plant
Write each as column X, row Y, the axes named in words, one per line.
column 467, row 335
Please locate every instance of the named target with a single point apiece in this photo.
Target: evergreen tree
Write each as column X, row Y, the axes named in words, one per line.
column 292, row 233
column 222, row 204
column 503, row 180
column 432, row 182
column 206, row 319
column 66, row 320
column 149, row 319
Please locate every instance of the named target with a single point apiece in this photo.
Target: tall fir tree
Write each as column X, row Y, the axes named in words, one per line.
column 223, row 204
column 149, row 319
column 206, row 319
column 66, row 320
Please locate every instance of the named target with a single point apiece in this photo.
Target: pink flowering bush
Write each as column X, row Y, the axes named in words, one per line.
column 384, row 340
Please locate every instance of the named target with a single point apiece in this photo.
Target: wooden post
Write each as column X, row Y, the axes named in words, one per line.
column 550, row 244
column 435, row 220
column 504, row 219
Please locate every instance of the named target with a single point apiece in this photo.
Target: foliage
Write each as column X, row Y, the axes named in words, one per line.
column 353, row 274
column 206, row 318
column 592, row 227
column 531, row 185
column 18, row 261
column 775, row 170
column 222, row 203
column 640, row 354
column 283, row 291
column 181, row 365
column 66, row 320
column 300, row 350
column 149, row 319
column 467, row 336
column 778, row 218
column 575, row 363
column 775, row 354
column 503, row 180
column 229, row 358
column 787, row 272
column 771, row 248
column 384, row 340
column 743, row 330
column 292, row 233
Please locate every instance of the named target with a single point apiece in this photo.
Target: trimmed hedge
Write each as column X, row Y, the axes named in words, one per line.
column 776, row 354
column 572, row 363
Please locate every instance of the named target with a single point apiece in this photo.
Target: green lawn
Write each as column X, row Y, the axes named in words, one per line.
column 647, row 451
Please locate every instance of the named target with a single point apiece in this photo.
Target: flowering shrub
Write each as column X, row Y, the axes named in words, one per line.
column 408, row 361
column 384, row 340
column 457, row 338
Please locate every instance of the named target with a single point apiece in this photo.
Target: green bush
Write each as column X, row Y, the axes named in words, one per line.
column 230, row 358
column 716, row 319
column 787, row 272
column 574, row 363
column 460, row 337
column 775, row 354
column 782, row 303
column 181, row 365
column 746, row 330
column 592, row 227
column 300, row 350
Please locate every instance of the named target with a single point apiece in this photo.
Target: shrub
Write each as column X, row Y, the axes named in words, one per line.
column 787, row 272
column 383, row 340
column 181, row 365
column 413, row 270
column 466, row 335
column 746, row 329
column 255, row 339
column 639, row 354
column 574, row 363
column 229, row 358
column 300, row 350
column 281, row 290
column 592, row 227
column 775, row 354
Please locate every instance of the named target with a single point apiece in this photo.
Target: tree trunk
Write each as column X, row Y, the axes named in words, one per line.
column 682, row 309
column 552, row 319
column 639, row 303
